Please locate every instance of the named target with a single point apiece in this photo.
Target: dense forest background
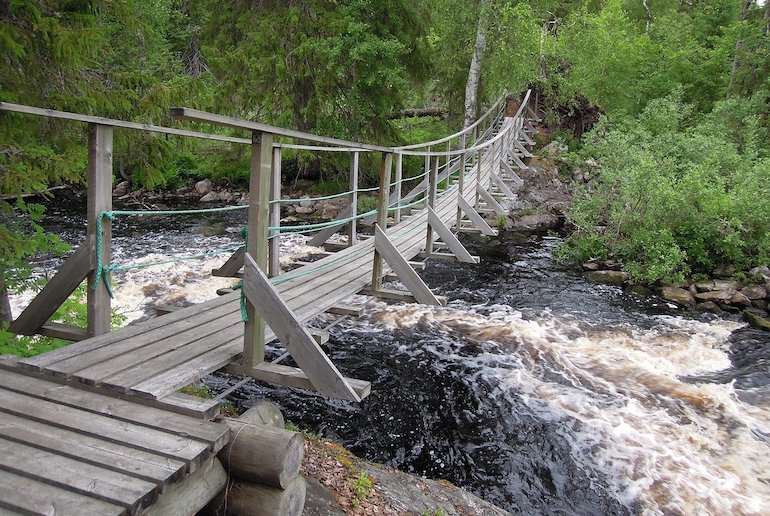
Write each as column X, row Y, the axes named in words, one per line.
column 682, row 153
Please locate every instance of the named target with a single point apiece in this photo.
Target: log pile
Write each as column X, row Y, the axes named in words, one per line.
column 262, row 460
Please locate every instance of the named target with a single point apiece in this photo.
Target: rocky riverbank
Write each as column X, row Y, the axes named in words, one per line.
column 749, row 297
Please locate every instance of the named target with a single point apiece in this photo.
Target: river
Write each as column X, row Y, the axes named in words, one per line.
column 534, row 389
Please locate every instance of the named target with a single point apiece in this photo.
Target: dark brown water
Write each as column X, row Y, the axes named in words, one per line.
column 534, row 389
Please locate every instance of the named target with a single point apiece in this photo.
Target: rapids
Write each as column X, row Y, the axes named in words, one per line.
column 534, row 389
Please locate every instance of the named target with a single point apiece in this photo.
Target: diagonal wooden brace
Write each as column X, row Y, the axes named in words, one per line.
column 524, row 151
column 496, row 179
column 231, row 267
column 65, row 281
column 321, row 372
column 477, row 219
column 454, row 245
column 516, row 179
column 520, row 164
column 491, row 201
column 403, row 270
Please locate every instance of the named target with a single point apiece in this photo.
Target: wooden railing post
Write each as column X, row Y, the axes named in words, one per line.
column 275, row 215
column 397, row 190
column 257, row 239
column 352, row 227
column 382, row 215
column 99, row 200
column 461, row 188
column 431, row 201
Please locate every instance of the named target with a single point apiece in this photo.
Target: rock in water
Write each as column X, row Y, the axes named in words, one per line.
column 756, row 321
column 609, row 277
column 678, row 295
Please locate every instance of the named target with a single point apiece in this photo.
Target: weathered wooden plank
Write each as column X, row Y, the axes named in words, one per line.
column 28, row 496
column 340, row 309
column 63, row 331
column 204, row 324
column 188, row 405
column 449, row 238
column 524, row 151
column 260, row 173
column 353, row 225
column 403, row 270
column 382, row 216
column 476, row 219
column 388, row 293
column 294, row 377
column 195, row 115
column 161, row 471
column 213, row 434
column 275, row 215
column 304, row 350
column 98, row 298
column 132, row 493
column 231, row 267
column 172, row 323
column 64, row 115
column 520, row 164
column 132, row 372
column 491, row 201
column 188, row 450
column 56, row 291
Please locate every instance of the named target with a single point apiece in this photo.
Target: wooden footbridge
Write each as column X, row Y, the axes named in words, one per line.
column 63, row 413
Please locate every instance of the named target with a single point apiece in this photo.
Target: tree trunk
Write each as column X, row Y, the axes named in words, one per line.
column 474, row 73
column 767, row 19
column 738, row 47
column 647, row 9
column 5, row 304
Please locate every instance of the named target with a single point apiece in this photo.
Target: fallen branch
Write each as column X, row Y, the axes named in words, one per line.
column 407, row 113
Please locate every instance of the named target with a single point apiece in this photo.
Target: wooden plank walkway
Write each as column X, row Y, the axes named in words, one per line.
column 156, row 358
column 64, row 450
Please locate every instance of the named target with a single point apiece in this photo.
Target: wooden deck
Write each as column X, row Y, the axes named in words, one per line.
column 64, row 450
column 155, row 358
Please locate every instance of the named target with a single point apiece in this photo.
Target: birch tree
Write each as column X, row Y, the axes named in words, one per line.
column 474, row 72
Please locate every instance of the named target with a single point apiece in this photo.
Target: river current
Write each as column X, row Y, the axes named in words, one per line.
column 533, row 388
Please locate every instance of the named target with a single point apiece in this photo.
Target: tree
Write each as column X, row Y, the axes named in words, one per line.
column 474, row 72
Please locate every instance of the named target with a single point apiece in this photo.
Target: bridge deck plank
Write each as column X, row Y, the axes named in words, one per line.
column 79, row 452
column 155, row 358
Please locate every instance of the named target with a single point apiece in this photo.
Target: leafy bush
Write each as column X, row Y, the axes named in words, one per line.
column 676, row 194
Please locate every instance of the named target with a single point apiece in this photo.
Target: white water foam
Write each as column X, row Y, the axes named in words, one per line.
column 665, row 446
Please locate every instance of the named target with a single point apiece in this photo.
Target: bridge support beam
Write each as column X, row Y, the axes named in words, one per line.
column 316, row 367
column 454, row 245
column 98, row 300
column 382, row 216
column 491, row 201
column 385, row 248
column 257, row 238
column 56, row 291
column 476, row 219
column 497, row 180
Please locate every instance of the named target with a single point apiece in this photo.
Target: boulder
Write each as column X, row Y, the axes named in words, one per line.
column 760, row 271
column 591, row 266
column 709, row 306
column 677, row 295
column 536, row 222
column 608, row 277
column 725, row 271
column 303, row 210
column 306, row 202
column 203, row 187
column 711, row 285
column 121, row 189
column 555, row 148
column 756, row 321
column 210, row 197
column 759, row 303
column 739, row 299
column 754, row 292
column 640, row 290
column 716, row 295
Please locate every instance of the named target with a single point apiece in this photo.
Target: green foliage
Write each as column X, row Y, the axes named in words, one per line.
column 201, row 390
column 677, row 193
column 366, row 203
column 362, row 486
